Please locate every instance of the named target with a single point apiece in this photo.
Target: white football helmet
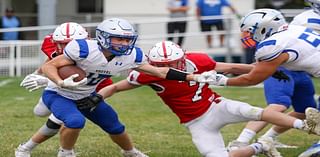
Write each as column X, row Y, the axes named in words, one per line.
column 315, row 5
column 167, row 53
column 68, row 31
column 259, row 25
column 118, row 28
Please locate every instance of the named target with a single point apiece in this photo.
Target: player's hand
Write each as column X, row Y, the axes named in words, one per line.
column 89, row 102
column 281, row 76
column 69, row 82
column 205, row 77
column 33, row 82
column 220, row 80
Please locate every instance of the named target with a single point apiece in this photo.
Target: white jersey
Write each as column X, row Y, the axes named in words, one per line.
column 301, row 43
column 87, row 55
column 308, row 19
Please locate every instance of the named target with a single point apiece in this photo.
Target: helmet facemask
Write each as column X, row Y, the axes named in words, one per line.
column 60, row 46
column 179, row 64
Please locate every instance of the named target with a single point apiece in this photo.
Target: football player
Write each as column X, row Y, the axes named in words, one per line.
column 52, row 46
column 310, row 19
column 201, row 110
column 114, row 51
column 277, row 44
column 280, row 95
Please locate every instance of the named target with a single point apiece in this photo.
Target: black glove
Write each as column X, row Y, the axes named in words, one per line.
column 281, row 76
column 89, row 102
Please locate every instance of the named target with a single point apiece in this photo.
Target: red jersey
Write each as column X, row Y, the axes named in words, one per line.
column 49, row 48
column 187, row 99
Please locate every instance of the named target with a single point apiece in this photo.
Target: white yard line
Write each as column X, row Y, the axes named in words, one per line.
column 5, row 82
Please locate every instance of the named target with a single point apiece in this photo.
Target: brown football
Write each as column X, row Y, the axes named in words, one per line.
column 66, row 71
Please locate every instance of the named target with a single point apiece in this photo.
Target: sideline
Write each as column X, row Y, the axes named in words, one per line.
column 5, row 82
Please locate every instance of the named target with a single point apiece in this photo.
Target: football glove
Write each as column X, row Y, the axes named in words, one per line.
column 33, row 82
column 205, row 77
column 220, row 80
column 69, row 82
column 281, row 76
column 89, row 102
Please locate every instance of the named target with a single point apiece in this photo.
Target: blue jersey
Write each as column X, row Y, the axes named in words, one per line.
column 211, row 8
column 300, row 43
column 87, row 55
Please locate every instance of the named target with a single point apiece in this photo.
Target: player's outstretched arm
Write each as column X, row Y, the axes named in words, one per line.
column 167, row 73
column 122, row 85
column 233, row 68
column 261, row 71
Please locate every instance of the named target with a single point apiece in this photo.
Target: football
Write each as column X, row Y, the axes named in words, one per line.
column 66, row 71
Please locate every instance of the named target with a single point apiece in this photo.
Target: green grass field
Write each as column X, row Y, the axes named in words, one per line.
column 152, row 126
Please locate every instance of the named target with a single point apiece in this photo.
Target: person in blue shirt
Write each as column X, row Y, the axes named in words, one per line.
column 212, row 8
column 9, row 20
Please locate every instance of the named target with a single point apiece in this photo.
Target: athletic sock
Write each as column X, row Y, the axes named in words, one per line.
column 246, row 135
column 298, row 124
column 29, row 145
column 271, row 133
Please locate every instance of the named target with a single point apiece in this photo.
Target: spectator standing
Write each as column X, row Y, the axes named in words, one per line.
column 177, row 9
column 212, row 8
column 9, row 20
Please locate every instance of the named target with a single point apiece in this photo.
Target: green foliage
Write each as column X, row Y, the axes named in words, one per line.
column 152, row 126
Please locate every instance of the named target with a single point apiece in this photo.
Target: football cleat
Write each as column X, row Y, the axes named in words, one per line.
column 313, row 151
column 268, row 147
column 21, row 151
column 133, row 153
column 62, row 153
column 312, row 121
column 234, row 145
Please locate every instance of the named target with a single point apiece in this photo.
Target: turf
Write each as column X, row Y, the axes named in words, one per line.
column 152, row 126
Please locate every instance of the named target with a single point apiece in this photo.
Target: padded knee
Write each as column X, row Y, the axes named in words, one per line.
column 75, row 122
column 52, row 125
column 49, row 129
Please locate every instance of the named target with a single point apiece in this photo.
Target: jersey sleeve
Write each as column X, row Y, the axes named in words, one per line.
column 202, row 60
column 137, row 78
column 268, row 50
column 76, row 49
column 140, row 57
column 298, row 20
column 48, row 47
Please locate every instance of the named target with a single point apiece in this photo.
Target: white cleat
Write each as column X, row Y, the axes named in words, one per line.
column 133, row 153
column 268, row 147
column 312, row 121
column 21, row 151
column 63, row 153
